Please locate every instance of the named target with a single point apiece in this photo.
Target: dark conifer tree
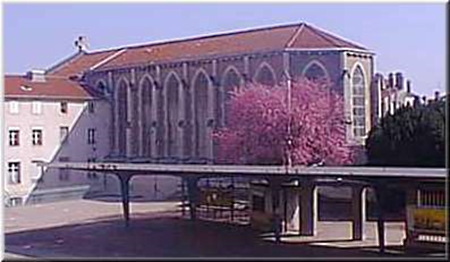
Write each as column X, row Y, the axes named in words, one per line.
column 412, row 136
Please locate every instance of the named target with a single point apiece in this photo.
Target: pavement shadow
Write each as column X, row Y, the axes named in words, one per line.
column 117, row 198
column 162, row 235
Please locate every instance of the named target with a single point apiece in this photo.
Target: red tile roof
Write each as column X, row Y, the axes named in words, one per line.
column 57, row 88
column 80, row 63
column 301, row 36
column 58, row 85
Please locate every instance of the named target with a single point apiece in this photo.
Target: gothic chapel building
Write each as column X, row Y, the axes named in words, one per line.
column 168, row 97
column 165, row 99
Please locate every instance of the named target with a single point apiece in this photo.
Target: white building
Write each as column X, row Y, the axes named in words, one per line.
column 49, row 118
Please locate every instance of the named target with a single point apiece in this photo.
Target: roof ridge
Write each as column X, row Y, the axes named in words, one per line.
column 200, row 37
column 63, row 62
column 295, row 35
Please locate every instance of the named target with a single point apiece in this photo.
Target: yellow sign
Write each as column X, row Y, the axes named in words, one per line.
column 430, row 219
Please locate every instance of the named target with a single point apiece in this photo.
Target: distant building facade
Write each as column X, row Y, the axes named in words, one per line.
column 163, row 100
column 390, row 93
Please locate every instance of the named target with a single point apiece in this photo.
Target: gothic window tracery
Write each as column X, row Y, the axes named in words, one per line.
column 172, row 86
column 201, row 105
column 358, row 102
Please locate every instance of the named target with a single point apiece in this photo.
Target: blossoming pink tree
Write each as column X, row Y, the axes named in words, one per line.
column 257, row 128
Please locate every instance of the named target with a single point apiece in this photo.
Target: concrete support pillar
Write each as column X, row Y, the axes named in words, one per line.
column 233, row 195
column 359, row 193
column 275, row 188
column 292, row 218
column 125, row 194
column 380, row 204
column 411, row 202
column 193, row 195
column 308, row 209
column 183, row 196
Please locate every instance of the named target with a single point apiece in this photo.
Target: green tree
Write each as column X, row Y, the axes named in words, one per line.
column 412, row 136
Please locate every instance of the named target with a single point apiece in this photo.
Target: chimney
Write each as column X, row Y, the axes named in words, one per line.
column 408, row 86
column 36, row 75
column 399, row 80
column 436, row 95
column 379, row 81
column 391, row 80
column 416, row 101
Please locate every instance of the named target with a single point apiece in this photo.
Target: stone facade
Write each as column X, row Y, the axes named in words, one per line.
column 169, row 110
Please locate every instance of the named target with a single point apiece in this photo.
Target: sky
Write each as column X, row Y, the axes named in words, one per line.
column 406, row 37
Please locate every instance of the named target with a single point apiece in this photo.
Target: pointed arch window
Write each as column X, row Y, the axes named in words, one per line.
column 201, row 85
column 231, row 81
column 173, row 86
column 265, row 76
column 358, row 102
column 146, row 96
column 315, row 72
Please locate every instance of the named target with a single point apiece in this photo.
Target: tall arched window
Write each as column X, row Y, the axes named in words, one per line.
column 122, row 115
column 315, row 71
column 231, row 81
column 201, row 85
column 358, row 102
column 265, row 76
column 146, row 94
column 172, row 86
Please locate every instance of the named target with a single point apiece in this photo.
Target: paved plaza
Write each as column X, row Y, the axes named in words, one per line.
column 95, row 229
